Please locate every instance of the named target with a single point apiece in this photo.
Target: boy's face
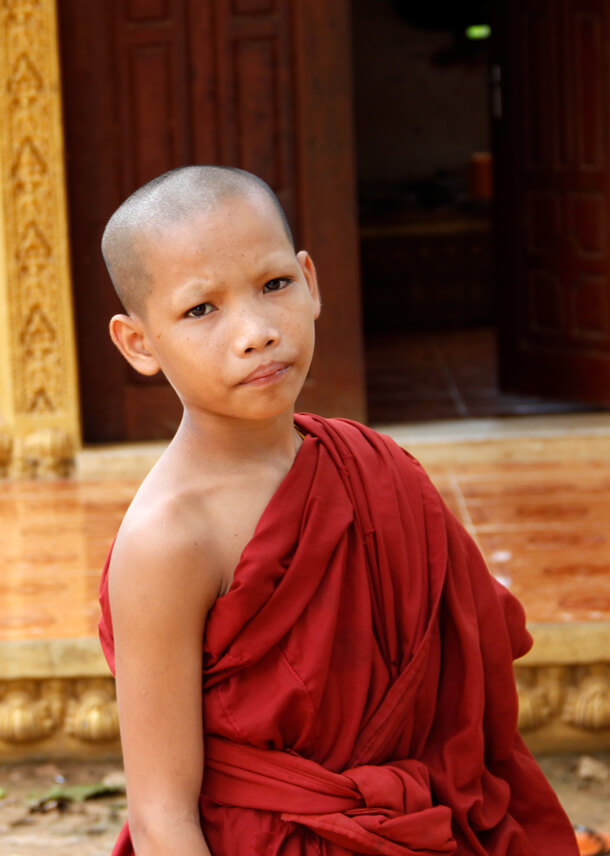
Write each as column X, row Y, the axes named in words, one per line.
column 230, row 315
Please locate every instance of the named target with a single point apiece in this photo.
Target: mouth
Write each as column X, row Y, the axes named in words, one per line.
column 268, row 373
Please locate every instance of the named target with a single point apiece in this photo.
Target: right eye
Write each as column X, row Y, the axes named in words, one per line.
column 200, row 310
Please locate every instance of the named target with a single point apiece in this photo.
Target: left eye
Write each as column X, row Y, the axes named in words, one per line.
column 277, row 284
column 200, row 310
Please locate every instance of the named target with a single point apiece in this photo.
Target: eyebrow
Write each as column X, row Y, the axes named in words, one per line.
column 193, row 289
column 273, row 266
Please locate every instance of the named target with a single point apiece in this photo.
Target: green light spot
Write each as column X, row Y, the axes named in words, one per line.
column 478, row 31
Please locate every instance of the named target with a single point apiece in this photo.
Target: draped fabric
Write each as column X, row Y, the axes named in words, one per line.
column 357, row 677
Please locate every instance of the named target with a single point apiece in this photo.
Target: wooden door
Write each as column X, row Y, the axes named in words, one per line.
column 551, row 107
column 260, row 84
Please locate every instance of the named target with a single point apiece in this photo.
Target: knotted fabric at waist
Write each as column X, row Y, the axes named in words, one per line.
column 370, row 809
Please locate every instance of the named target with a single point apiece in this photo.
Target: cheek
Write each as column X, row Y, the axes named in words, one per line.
column 304, row 333
column 301, row 313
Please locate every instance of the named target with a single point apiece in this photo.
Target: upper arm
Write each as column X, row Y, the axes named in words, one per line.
column 160, row 593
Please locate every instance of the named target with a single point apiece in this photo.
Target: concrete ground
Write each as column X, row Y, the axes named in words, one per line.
column 31, row 826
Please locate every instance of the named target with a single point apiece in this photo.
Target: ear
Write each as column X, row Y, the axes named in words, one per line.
column 309, row 272
column 128, row 334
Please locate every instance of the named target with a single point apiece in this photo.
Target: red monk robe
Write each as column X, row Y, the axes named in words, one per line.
column 357, row 682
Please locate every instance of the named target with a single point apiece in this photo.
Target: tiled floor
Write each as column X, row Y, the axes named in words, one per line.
column 55, row 536
column 542, row 523
column 543, row 531
column 446, row 375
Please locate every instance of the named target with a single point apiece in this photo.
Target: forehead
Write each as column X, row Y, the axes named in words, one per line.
column 233, row 241
column 238, row 224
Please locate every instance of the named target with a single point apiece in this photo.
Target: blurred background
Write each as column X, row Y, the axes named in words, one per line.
column 384, row 128
column 447, row 166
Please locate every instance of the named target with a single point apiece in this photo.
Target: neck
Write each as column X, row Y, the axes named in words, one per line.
column 227, row 441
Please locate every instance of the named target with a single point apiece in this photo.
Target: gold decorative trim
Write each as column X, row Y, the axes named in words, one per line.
column 93, row 715
column 537, row 699
column 51, row 716
column 48, row 452
column 587, row 705
column 25, row 714
column 562, row 708
column 38, row 390
column 6, row 450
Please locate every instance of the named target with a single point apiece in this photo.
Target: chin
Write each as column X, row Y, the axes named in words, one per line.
column 269, row 403
column 266, row 410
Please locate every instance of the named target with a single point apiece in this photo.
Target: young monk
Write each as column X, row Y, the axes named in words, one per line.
column 311, row 657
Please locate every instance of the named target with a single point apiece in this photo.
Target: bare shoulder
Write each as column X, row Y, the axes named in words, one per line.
column 162, row 563
column 162, row 584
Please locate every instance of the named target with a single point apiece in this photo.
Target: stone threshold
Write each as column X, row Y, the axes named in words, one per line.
column 520, row 440
column 567, row 425
column 573, row 643
column 579, row 436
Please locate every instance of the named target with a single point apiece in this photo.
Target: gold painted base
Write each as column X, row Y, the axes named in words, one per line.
column 564, row 688
column 57, row 698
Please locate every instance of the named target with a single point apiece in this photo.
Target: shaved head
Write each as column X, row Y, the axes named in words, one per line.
column 169, row 199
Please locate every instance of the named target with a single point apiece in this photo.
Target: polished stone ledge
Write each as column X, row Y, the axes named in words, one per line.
column 577, row 436
column 576, row 643
column 51, row 658
column 573, row 643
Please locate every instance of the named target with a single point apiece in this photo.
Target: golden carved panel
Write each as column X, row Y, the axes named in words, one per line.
column 561, row 708
column 75, row 714
column 39, row 389
column 565, row 707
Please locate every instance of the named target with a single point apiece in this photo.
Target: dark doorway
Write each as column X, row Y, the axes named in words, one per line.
column 433, row 300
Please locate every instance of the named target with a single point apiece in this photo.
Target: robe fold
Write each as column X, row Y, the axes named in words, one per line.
column 358, row 691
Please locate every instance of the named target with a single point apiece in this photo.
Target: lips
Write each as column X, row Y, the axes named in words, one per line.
column 266, row 373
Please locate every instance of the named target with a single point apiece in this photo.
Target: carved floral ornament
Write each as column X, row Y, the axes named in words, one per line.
column 40, row 436
column 30, row 194
column 6, row 451
column 578, row 696
column 20, row 11
column 34, row 712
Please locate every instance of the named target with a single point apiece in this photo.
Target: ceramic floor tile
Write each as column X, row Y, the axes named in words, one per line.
column 545, row 541
column 533, row 513
column 55, row 538
column 452, row 499
column 483, row 490
column 560, row 572
column 542, row 526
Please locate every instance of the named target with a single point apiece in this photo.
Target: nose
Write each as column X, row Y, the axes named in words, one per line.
column 255, row 332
